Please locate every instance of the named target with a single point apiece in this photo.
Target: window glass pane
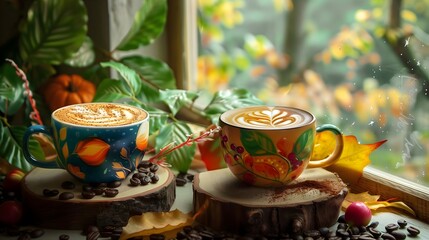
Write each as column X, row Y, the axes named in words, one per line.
column 361, row 65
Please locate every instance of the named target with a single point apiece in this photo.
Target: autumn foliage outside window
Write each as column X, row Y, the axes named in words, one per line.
column 363, row 68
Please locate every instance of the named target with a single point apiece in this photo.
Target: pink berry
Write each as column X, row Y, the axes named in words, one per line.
column 358, row 214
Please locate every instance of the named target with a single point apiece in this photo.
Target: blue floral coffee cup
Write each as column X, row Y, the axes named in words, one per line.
column 95, row 142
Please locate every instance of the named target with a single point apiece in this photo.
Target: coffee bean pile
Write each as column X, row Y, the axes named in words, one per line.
column 88, row 190
column 394, row 231
column 146, row 173
column 107, row 232
column 183, row 178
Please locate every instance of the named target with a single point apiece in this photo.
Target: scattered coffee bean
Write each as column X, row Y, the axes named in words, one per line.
column 399, row 235
column 156, row 237
column 402, row 223
column 144, row 164
column 354, row 230
column 68, row 185
column 387, row 236
column 135, row 181
column 146, row 180
column 114, row 184
column 64, row 237
column 413, row 231
column 50, row 193
column 154, row 168
column 93, row 235
column 341, row 219
column 98, row 190
column 374, row 232
column 391, row 227
column 150, row 174
column 342, row 226
column 66, row 196
column 373, row 224
column 324, row 231
column 190, row 177
column 88, row 194
column 138, row 175
column 180, row 182
column 142, row 170
column 155, row 178
column 111, row 192
column 36, row 233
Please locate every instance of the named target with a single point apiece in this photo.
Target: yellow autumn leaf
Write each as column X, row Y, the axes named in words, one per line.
column 166, row 223
column 354, row 158
column 372, row 202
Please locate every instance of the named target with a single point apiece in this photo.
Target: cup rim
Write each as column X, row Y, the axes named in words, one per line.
column 312, row 121
column 104, row 126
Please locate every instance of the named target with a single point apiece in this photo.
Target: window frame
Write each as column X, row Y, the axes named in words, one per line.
column 182, row 37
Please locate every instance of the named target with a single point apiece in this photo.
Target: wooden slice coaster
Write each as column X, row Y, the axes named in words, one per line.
column 227, row 204
column 78, row 212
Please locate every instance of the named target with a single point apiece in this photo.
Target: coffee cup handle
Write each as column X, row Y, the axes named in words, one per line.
column 336, row 154
column 25, row 147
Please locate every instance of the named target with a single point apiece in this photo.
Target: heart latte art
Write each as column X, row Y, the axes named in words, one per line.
column 100, row 114
column 267, row 117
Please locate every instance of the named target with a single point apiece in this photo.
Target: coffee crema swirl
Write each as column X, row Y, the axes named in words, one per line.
column 268, row 117
column 100, row 114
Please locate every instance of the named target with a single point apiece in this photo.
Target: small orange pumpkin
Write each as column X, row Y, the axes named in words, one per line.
column 64, row 89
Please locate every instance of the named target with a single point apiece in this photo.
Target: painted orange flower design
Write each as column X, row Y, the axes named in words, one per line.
column 75, row 171
column 142, row 136
column 92, row 151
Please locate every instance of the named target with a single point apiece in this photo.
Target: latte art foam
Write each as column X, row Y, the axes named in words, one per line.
column 267, row 117
column 99, row 114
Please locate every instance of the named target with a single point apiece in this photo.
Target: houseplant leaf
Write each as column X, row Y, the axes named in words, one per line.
column 176, row 132
column 148, row 24
column 53, row 31
column 176, row 98
column 10, row 147
column 110, row 90
column 154, row 71
column 84, row 57
column 11, row 91
column 229, row 99
column 130, row 77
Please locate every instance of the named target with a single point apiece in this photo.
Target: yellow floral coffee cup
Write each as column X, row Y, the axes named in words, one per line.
column 271, row 146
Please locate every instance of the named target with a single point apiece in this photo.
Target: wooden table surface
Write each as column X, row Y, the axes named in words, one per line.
column 184, row 203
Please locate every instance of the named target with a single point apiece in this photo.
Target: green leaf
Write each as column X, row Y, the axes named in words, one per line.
column 11, row 91
column 110, row 90
column 176, row 132
column 130, row 77
column 304, row 144
column 84, row 57
column 229, row 99
column 176, row 99
column 257, row 143
column 10, row 147
column 157, row 119
column 53, row 31
column 155, row 72
column 148, row 24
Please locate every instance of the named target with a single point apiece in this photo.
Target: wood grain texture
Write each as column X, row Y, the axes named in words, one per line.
column 77, row 213
column 225, row 203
